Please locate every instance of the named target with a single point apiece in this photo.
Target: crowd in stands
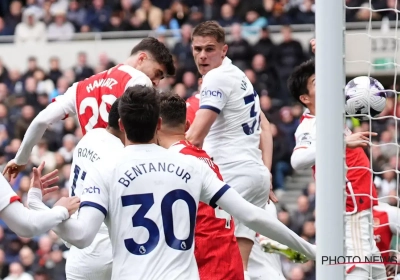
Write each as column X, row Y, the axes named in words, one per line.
column 41, row 20
column 267, row 63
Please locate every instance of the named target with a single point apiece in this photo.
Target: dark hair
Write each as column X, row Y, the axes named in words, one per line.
column 139, row 110
column 210, row 28
column 158, row 51
column 172, row 109
column 113, row 116
column 297, row 82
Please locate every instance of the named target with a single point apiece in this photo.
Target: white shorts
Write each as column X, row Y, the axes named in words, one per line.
column 360, row 242
column 264, row 266
column 93, row 262
column 252, row 181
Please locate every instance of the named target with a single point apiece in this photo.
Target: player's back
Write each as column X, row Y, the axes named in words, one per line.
column 227, row 91
column 96, row 144
column 96, row 94
column 217, row 252
column 153, row 199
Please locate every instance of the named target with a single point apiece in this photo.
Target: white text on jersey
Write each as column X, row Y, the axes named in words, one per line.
column 145, row 168
column 109, row 82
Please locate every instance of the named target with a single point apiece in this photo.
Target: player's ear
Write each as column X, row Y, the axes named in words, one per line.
column 187, row 125
column 121, row 126
column 159, row 122
column 141, row 57
column 304, row 98
column 225, row 49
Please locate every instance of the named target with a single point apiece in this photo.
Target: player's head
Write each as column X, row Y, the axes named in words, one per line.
column 173, row 115
column 152, row 58
column 301, row 83
column 139, row 111
column 173, row 112
column 208, row 46
column 113, row 119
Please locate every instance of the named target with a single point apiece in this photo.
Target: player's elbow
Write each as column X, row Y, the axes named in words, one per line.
column 297, row 161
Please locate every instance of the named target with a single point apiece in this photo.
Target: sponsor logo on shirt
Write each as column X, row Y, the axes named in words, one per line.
column 207, row 92
column 91, row 190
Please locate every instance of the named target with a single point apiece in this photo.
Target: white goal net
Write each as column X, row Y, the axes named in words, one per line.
column 371, row 48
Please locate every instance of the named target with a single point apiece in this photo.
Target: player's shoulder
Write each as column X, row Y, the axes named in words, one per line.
column 136, row 76
column 307, row 124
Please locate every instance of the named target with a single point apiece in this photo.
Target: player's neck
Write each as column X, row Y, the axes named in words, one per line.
column 167, row 139
column 312, row 110
column 129, row 142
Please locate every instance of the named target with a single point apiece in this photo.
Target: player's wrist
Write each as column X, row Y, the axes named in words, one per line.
column 61, row 211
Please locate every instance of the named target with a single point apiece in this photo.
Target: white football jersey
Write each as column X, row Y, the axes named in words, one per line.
column 7, row 194
column 96, row 144
column 227, row 91
column 149, row 196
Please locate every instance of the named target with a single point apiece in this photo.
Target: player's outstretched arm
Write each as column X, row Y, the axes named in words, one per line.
column 28, row 223
column 262, row 222
column 54, row 112
column 201, row 126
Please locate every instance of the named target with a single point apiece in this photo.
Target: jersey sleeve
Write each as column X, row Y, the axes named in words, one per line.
column 212, row 187
column 214, row 93
column 304, row 153
column 394, row 219
column 68, row 100
column 95, row 191
column 7, row 195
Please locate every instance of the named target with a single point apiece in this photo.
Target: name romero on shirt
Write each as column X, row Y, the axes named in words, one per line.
column 144, row 168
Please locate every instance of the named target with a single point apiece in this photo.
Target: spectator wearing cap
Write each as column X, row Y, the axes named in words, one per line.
column 60, row 29
column 266, row 46
column 30, row 30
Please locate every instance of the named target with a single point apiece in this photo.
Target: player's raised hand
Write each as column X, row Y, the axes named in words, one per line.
column 359, row 139
column 313, row 44
column 12, row 170
column 45, row 181
column 71, row 203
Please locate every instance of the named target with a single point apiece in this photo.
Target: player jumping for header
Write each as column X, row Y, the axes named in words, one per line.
column 150, row 61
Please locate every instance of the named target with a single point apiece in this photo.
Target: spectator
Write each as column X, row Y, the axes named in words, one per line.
column 253, row 23
column 227, row 16
column 239, row 49
column 82, row 70
column 265, row 46
column 183, row 50
column 96, row 17
column 289, row 54
column 210, row 10
column 169, row 23
column 266, row 76
column 14, row 17
column 27, row 259
column 301, row 214
column 55, row 72
column 27, row 115
column 76, row 14
column 67, row 150
column 17, row 273
column 30, row 30
column 150, row 13
column 60, row 29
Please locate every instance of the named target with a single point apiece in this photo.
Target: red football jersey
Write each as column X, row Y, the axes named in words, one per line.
column 95, row 95
column 216, row 250
column 192, row 105
column 360, row 188
column 382, row 232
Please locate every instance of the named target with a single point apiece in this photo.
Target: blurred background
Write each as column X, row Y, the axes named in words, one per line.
column 46, row 45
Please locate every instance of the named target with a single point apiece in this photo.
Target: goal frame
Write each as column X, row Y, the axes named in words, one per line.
column 330, row 155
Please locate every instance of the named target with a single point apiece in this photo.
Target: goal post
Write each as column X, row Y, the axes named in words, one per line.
column 330, row 177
